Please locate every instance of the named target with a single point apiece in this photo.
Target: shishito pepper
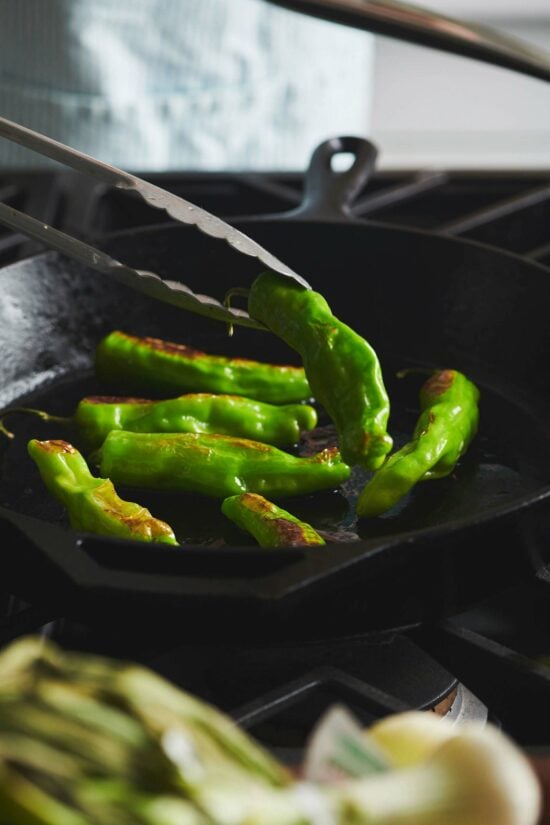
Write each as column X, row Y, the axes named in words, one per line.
column 342, row 368
column 92, row 503
column 215, row 465
column 444, row 430
column 97, row 415
column 235, row 415
column 270, row 525
column 157, row 366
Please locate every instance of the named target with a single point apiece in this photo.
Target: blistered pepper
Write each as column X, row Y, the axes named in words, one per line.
column 444, row 430
column 96, row 416
column 234, row 415
column 151, row 365
column 93, row 504
column 269, row 524
column 215, row 465
column 342, row 368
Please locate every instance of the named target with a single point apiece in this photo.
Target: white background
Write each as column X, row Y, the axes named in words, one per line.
column 494, row 7
column 435, row 109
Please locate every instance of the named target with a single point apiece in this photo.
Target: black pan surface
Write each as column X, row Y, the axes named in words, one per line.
column 420, row 300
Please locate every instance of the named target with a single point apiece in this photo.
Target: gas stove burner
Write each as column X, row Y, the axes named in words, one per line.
column 463, row 707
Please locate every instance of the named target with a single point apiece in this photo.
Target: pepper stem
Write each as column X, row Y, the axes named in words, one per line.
column 45, row 416
column 236, row 290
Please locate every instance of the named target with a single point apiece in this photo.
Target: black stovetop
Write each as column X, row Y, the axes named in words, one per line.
column 508, row 209
column 499, row 650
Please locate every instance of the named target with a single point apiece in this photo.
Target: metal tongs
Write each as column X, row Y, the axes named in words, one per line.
column 181, row 210
column 396, row 19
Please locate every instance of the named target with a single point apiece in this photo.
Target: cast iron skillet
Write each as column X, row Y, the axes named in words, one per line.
column 421, row 300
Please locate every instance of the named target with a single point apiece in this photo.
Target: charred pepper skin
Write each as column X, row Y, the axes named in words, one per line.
column 92, row 503
column 446, row 426
column 215, row 465
column 151, row 365
column 269, row 524
column 342, row 368
column 278, row 424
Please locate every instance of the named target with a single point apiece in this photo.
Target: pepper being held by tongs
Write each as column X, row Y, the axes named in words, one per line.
column 342, row 368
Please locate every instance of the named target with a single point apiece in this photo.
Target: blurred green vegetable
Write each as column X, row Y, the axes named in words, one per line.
column 91, row 741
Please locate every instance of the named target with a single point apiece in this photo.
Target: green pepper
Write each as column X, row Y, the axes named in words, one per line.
column 97, row 415
column 444, row 430
column 153, row 365
column 342, row 368
column 215, row 465
column 235, row 415
column 92, row 503
column 270, row 525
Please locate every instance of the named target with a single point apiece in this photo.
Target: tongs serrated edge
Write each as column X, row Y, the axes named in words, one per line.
column 181, row 210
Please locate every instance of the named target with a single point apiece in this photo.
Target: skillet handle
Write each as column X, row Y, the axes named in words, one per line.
column 328, row 194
